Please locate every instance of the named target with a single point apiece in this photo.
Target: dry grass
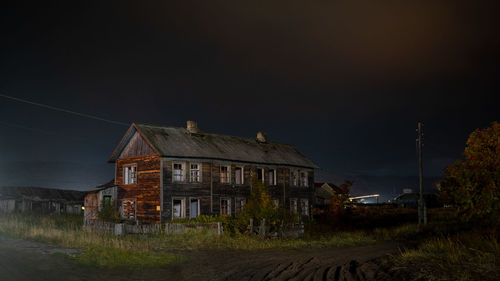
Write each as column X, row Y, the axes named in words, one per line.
column 110, row 250
column 468, row 256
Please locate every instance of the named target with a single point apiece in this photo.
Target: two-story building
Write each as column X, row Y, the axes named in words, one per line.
column 163, row 173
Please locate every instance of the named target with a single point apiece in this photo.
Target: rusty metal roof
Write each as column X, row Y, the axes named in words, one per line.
column 179, row 143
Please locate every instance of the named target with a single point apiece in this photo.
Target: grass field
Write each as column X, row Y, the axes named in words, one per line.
column 442, row 250
column 139, row 250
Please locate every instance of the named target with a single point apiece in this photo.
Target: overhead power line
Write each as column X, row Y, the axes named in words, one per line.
column 63, row 110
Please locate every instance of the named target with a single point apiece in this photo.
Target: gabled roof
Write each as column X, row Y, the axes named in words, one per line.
column 98, row 188
column 333, row 187
column 179, row 143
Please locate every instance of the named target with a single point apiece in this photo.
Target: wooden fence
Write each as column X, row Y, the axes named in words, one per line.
column 168, row 228
column 180, row 228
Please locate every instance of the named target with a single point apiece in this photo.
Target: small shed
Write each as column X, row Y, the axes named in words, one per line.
column 95, row 197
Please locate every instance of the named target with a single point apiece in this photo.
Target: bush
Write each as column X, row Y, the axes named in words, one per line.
column 108, row 212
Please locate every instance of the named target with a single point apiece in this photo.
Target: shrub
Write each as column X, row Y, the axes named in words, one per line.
column 108, row 212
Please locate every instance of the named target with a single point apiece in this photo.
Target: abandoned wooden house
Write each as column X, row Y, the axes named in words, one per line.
column 163, row 173
column 40, row 200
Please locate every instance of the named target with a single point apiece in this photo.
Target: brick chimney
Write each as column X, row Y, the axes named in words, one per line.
column 261, row 137
column 192, row 127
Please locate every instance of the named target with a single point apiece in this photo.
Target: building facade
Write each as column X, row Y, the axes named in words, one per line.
column 164, row 173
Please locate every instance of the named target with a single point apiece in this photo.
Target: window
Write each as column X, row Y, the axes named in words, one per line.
column 276, row 203
column 194, row 208
column 240, row 204
column 178, row 173
column 195, row 175
column 303, row 179
column 225, row 206
column 225, row 174
column 293, row 177
column 304, row 207
column 106, row 199
column 128, row 209
column 130, row 174
column 272, row 177
column 260, row 174
column 293, row 204
column 238, row 175
column 178, row 208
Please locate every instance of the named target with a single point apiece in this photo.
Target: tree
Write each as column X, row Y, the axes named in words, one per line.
column 260, row 206
column 336, row 206
column 473, row 184
column 108, row 212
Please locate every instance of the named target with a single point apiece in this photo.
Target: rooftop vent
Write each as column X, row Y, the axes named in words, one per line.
column 261, row 137
column 192, row 127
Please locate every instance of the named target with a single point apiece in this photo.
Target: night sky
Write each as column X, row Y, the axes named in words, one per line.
column 345, row 83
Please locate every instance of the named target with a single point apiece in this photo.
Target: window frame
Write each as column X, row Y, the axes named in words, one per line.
column 276, row 203
column 294, row 179
column 295, row 209
column 129, row 180
column 263, row 174
column 198, row 207
column 304, row 202
column 199, row 172
column 228, row 177
column 228, row 200
column 242, row 175
column 183, row 207
column 183, row 170
column 241, row 206
column 306, row 178
column 274, row 178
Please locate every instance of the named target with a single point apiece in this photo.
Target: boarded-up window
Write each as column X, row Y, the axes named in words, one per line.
column 128, row 209
column 238, row 175
column 195, row 175
column 130, row 174
column 225, row 206
column 225, row 174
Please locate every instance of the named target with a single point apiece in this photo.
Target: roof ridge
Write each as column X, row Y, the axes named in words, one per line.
column 212, row 134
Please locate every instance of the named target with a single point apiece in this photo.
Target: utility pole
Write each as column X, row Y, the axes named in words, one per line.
column 422, row 216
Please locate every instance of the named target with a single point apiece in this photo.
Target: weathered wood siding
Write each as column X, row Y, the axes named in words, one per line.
column 146, row 192
column 91, row 207
column 137, row 146
column 186, row 190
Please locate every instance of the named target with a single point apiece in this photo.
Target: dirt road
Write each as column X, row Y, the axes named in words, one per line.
column 31, row 261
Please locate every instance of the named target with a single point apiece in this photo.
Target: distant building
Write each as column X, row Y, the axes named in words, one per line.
column 323, row 192
column 410, row 200
column 40, row 200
